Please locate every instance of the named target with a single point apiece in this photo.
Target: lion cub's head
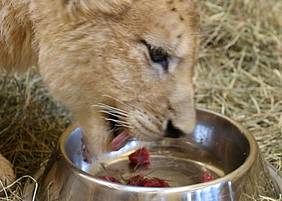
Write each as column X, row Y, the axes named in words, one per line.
column 120, row 64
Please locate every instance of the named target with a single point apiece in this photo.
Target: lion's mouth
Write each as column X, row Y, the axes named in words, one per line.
column 120, row 140
column 120, row 135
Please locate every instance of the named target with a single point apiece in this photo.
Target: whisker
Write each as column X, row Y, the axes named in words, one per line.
column 152, row 117
column 137, row 109
column 113, row 114
column 148, row 131
column 156, row 120
column 124, row 126
column 143, row 134
column 150, row 114
column 119, row 125
column 120, row 101
column 119, row 113
column 107, row 107
column 117, row 128
column 154, row 109
column 118, row 121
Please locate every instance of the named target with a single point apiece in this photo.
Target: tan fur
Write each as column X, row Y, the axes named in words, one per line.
column 89, row 53
column 6, row 173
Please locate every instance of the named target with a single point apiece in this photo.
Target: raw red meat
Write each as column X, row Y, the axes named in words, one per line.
column 110, row 179
column 155, row 182
column 136, row 180
column 141, row 157
column 140, row 180
column 206, row 177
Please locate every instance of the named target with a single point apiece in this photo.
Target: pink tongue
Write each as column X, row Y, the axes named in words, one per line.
column 119, row 141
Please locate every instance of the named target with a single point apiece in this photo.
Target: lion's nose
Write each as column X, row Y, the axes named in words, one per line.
column 172, row 132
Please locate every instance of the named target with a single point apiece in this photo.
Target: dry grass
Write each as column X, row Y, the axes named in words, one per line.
column 30, row 122
column 240, row 68
column 239, row 74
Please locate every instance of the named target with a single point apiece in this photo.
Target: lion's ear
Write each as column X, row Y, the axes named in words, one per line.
column 104, row 6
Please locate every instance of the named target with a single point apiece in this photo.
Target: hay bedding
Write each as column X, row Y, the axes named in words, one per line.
column 239, row 74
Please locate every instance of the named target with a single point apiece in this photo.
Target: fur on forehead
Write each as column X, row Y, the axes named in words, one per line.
column 109, row 7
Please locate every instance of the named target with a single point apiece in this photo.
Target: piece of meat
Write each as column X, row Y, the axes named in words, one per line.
column 206, row 177
column 119, row 141
column 155, row 182
column 140, row 180
column 141, row 157
column 110, row 179
column 136, row 180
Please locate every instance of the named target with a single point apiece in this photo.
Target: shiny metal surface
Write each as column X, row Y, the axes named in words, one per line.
column 218, row 145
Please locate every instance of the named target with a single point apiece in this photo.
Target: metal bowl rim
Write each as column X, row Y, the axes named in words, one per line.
column 231, row 177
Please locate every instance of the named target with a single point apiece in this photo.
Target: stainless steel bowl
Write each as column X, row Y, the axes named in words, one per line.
column 218, row 145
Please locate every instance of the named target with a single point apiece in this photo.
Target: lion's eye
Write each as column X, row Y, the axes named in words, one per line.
column 158, row 55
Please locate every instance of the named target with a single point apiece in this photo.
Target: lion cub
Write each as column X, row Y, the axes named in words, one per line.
column 118, row 65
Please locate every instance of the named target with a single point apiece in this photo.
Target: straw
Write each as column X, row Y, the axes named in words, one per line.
column 239, row 74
